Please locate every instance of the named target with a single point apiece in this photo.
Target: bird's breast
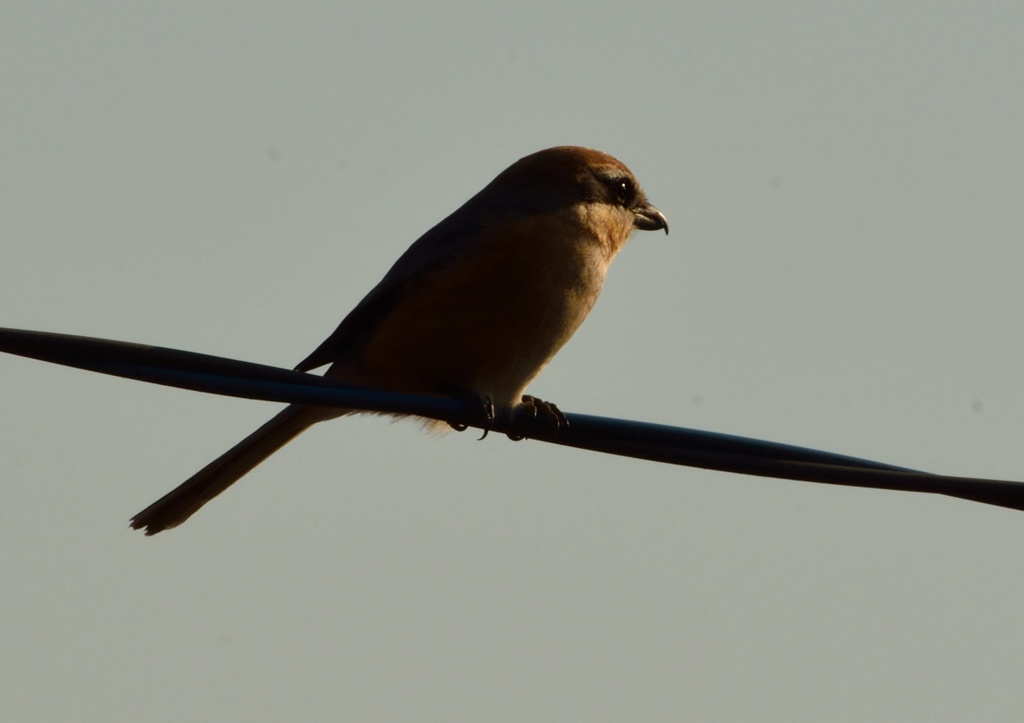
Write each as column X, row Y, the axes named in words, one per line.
column 490, row 320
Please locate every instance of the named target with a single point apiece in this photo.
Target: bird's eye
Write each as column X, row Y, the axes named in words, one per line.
column 624, row 190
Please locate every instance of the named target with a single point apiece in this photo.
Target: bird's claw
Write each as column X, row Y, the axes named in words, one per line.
column 536, row 415
column 482, row 416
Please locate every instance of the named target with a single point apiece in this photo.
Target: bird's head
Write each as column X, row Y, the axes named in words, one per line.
column 581, row 179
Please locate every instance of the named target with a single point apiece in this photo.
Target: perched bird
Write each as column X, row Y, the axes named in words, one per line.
column 476, row 307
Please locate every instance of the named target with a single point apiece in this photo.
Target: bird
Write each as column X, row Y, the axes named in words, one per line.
column 474, row 309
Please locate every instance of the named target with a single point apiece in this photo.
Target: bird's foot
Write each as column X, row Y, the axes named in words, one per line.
column 482, row 415
column 536, row 416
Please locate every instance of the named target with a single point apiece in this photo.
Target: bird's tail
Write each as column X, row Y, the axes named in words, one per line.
column 182, row 502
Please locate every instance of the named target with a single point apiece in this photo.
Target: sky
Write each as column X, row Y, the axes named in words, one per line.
column 844, row 185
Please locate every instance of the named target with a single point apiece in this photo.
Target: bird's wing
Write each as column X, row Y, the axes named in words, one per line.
column 448, row 240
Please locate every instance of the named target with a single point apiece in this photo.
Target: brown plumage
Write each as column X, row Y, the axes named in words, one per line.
column 477, row 305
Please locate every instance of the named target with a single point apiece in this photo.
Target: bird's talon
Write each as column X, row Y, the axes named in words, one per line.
column 536, row 415
column 482, row 414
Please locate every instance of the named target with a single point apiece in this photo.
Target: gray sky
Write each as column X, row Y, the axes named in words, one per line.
column 844, row 184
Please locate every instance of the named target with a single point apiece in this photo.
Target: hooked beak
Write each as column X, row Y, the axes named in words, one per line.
column 648, row 218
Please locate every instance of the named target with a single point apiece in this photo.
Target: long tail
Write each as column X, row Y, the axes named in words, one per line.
column 182, row 502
